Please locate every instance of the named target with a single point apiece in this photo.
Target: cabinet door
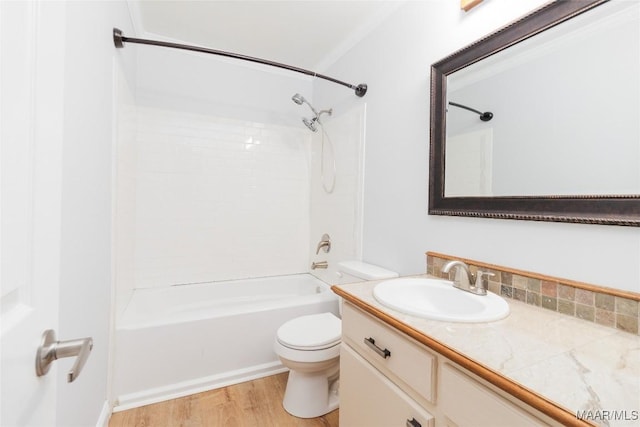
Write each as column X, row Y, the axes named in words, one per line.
column 368, row 398
column 465, row 402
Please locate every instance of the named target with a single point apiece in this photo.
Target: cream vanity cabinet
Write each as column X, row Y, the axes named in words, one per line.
column 389, row 379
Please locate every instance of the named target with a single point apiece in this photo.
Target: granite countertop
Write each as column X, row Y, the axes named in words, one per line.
column 576, row 364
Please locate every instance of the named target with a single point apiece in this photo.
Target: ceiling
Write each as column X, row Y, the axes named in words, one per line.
column 309, row 34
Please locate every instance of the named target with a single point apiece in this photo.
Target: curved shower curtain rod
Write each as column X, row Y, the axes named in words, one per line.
column 119, row 39
column 485, row 117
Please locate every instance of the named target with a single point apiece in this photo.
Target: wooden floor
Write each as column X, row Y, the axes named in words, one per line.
column 254, row 403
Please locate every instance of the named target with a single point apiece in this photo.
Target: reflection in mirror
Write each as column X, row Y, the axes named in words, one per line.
column 563, row 144
column 567, row 112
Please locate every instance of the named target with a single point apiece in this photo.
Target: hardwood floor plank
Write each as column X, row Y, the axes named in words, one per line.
column 255, row 403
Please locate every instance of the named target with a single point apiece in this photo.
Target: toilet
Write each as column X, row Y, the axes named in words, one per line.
column 310, row 347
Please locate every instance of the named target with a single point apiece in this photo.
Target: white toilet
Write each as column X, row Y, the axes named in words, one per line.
column 310, row 347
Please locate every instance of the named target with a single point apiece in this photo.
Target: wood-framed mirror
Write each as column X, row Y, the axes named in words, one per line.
column 561, row 144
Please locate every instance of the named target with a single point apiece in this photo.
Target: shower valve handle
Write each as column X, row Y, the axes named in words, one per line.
column 325, row 244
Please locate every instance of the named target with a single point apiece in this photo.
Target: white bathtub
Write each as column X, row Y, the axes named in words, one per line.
column 175, row 341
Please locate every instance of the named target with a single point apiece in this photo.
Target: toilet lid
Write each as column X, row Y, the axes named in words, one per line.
column 313, row 332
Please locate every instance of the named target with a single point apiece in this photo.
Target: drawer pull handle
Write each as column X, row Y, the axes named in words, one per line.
column 413, row 423
column 384, row 353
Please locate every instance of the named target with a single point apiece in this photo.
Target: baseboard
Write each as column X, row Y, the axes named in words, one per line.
column 185, row 388
column 105, row 414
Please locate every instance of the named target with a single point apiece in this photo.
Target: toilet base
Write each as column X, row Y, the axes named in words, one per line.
column 310, row 396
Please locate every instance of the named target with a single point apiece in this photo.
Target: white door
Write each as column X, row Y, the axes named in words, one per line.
column 31, row 124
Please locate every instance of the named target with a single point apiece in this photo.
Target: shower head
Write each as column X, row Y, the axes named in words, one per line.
column 298, row 99
column 311, row 124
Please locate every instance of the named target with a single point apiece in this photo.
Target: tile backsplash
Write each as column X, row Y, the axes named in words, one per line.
column 605, row 306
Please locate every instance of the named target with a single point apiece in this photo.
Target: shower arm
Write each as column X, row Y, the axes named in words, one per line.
column 119, row 40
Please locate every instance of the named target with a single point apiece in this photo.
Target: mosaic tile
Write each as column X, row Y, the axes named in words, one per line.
column 549, row 289
column 605, row 302
column 603, row 308
column 549, row 303
column 584, row 297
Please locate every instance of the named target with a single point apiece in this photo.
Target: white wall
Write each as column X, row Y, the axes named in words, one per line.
column 200, row 83
column 395, row 61
column 86, row 279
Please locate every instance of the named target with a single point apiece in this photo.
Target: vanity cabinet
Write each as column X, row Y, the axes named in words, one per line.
column 389, row 379
column 407, row 363
column 374, row 400
column 466, row 402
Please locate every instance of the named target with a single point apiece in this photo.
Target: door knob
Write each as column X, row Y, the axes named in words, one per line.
column 50, row 350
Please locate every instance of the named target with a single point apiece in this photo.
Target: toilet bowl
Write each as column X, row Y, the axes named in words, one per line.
column 310, row 347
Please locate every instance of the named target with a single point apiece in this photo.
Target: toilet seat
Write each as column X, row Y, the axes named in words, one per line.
column 311, row 333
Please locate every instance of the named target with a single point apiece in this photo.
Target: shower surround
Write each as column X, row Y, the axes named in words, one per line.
column 218, row 199
column 216, row 184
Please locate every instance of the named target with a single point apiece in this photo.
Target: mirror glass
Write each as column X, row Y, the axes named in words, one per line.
column 566, row 112
column 540, row 120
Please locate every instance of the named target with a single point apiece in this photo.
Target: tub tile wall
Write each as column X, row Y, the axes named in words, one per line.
column 218, row 199
column 338, row 213
column 555, row 294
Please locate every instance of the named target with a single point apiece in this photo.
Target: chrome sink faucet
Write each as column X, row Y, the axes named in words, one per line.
column 468, row 281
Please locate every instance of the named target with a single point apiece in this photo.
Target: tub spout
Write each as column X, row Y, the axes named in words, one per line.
column 319, row 264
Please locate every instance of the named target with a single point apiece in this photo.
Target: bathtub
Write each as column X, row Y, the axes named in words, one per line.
column 179, row 340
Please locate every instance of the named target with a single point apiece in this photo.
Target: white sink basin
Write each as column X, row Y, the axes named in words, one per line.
column 437, row 299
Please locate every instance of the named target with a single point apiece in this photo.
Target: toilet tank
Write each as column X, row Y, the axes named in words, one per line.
column 363, row 271
column 357, row 271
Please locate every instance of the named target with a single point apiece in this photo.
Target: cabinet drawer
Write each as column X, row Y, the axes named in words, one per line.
column 468, row 403
column 395, row 354
column 368, row 398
